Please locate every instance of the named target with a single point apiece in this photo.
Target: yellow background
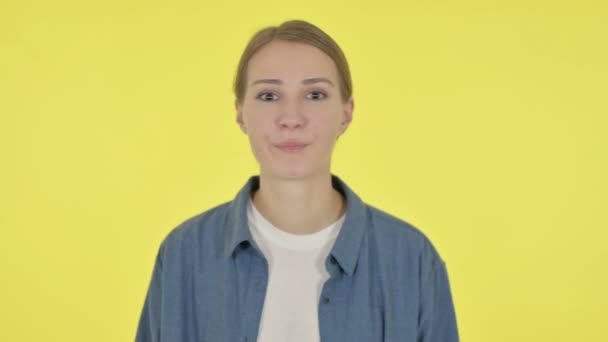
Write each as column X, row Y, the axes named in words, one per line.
column 481, row 123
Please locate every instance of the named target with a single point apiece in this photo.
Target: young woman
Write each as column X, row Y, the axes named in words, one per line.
column 296, row 255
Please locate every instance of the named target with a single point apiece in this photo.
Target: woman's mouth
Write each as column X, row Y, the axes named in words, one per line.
column 291, row 146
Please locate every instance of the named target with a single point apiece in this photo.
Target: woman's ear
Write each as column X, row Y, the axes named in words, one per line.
column 239, row 116
column 347, row 115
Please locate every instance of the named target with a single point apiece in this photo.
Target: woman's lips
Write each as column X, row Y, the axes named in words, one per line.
column 291, row 148
column 291, row 145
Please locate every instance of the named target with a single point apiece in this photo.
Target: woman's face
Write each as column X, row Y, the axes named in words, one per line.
column 292, row 110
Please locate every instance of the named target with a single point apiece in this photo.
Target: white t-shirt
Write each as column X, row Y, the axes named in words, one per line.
column 296, row 277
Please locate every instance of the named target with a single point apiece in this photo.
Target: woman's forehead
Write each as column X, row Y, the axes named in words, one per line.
column 290, row 61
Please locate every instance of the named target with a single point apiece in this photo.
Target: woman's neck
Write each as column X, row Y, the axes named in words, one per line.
column 299, row 206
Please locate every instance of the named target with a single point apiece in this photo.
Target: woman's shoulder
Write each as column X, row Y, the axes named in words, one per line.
column 197, row 229
column 396, row 235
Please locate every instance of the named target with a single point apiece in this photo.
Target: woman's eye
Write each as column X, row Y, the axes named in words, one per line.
column 266, row 96
column 314, row 95
column 317, row 95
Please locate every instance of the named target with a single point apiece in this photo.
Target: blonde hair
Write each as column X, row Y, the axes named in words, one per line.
column 294, row 31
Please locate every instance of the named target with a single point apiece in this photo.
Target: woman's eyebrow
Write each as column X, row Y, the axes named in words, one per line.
column 317, row 80
column 304, row 81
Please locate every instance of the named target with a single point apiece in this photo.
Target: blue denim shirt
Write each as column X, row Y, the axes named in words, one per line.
column 387, row 281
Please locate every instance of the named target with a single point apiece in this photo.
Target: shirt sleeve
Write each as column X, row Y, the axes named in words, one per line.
column 437, row 318
column 148, row 329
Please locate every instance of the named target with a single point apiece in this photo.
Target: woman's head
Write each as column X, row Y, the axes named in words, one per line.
column 293, row 88
column 297, row 31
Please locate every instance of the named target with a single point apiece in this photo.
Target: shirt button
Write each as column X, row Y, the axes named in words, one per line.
column 326, row 300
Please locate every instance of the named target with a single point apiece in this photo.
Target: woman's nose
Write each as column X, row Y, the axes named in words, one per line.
column 291, row 115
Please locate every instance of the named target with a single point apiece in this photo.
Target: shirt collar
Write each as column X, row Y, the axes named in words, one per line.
column 346, row 248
